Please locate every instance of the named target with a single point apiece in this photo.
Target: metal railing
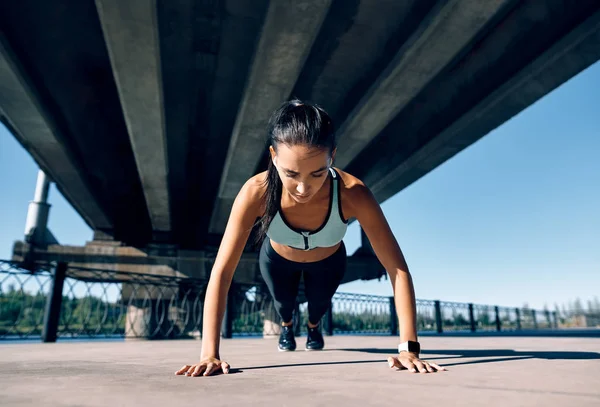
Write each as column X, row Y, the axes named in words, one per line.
column 59, row 301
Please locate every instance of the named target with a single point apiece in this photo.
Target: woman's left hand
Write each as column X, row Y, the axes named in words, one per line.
column 410, row 361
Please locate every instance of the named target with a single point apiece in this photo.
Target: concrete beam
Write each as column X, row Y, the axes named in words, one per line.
column 448, row 29
column 565, row 59
column 195, row 264
column 289, row 31
column 22, row 112
column 131, row 33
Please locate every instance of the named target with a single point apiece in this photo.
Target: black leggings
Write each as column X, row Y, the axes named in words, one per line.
column 321, row 280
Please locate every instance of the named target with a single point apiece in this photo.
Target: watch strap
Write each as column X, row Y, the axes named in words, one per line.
column 410, row 346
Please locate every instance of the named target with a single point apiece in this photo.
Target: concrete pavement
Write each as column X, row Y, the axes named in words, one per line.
column 490, row 371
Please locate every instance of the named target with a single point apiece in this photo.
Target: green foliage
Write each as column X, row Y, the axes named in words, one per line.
column 22, row 313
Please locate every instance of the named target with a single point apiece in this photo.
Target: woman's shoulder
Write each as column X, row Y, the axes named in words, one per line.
column 352, row 193
column 350, row 184
column 253, row 190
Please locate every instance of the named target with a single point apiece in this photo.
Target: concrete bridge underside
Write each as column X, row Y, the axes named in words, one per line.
column 149, row 115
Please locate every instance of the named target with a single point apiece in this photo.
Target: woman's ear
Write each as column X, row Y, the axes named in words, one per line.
column 273, row 155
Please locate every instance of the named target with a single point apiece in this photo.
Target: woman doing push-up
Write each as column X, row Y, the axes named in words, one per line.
column 302, row 205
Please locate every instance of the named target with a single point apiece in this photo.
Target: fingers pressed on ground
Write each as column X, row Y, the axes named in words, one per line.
column 182, row 370
column 410, row 366
column 420, row 366
column 438, row 367
column 209, row 369
column 225, row 367
column 198, row 370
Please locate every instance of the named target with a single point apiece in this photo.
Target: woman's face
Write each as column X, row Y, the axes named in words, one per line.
column 303, row 169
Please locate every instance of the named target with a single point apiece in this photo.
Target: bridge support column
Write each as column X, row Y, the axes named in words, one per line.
column 151, row 312
column 271, row 324
column 150, row 319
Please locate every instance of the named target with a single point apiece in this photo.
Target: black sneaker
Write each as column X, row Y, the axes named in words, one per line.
column 286, row 339
column 314, row 340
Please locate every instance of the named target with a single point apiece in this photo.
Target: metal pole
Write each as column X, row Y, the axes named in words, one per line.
column 227, row 325
column 54, row 303
column 329, row 320
column 296, row 319
column 498, row 323
column 518, row 312
column 438, row 317
column 555, row 319
column 472, row 318
column 535, row 324
column 393, row 318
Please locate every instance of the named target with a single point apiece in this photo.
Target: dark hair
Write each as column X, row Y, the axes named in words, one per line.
column 293, row 123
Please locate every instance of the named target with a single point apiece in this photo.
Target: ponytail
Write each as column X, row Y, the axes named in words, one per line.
column 271, row 199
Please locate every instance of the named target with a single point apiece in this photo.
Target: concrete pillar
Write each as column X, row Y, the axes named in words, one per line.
column 271, row 323
column 150, row 320
column 149, row 312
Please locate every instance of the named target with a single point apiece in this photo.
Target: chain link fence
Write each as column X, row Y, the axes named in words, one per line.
column 111, row 304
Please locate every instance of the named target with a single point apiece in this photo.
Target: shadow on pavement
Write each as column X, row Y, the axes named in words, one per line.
column 495, row 355
column 352, row 362
column 499, row 355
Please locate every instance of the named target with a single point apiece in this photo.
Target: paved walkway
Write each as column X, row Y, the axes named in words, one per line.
column 352, row 371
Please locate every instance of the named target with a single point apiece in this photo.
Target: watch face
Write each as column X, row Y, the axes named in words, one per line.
column 410, row 346
column 414, row 347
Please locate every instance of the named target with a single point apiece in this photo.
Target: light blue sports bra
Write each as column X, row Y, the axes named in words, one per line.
column 330, row 233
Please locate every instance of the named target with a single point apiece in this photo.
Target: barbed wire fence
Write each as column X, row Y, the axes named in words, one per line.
column 95, row 303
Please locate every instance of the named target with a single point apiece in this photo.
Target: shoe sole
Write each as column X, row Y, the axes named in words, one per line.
column 285, row 350
column 312, row 350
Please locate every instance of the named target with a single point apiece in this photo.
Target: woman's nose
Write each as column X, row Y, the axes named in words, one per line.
column 301, row 188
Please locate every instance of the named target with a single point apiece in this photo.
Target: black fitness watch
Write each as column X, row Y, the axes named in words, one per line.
column 410, row 346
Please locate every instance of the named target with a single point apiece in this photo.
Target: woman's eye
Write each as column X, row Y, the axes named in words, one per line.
column 295, row 175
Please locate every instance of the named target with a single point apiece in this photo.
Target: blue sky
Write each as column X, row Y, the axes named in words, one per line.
column 513, row 219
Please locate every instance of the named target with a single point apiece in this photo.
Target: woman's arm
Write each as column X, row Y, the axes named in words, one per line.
column 367, row 211
column 386, row 248
column 244, row 212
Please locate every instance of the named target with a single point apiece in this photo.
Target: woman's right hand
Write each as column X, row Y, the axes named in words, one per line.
column 205, row 367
